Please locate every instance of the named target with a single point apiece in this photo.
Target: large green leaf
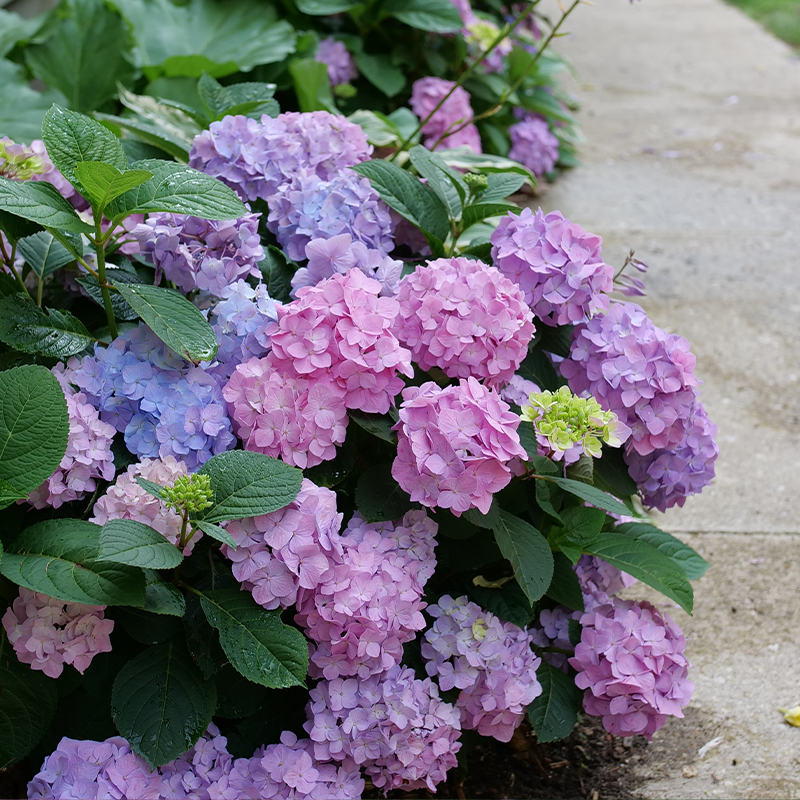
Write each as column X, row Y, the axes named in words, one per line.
column 161, row 597
column 691, row 562
column 645, row 562
column 378, row 425
column 312, row 85
column 34, row 426
column 114, row 277
column 481, row 211
column 501, row 185
column 206, row 36
column 14, row 28
column 27, row 704
column 437, row 16
column 56, row 334
column 565, row 588
column 258, row 644
column 508, row 602
column 554, row 712
column 277, row 271
column 248, row 484
column 86, row 55
column 591, row 495
column 22, row 109
column 161, row 704
column 103, row 183
column 322, row 8
column 250, row 99
column 451, row 190
column 58, row 557
column 125, row 541
column 379, row 497
column 150, row 134
column 43, row 253
column 528, row 552
column 381, row 72
column 181, row 124
column 40, row 202
column 173, row 319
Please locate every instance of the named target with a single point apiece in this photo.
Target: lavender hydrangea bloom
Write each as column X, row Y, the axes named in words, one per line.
column 199, row 253
column 309, row 208
column 533, row 145
column 600, row 580
column 256, row 159
column 518, row 390
column 163, row 405
column 631, row 663
column 556, row 263
column 456, row 110
column 552, row 630
column 202, row 773
column 341, row 67
column 489, row 660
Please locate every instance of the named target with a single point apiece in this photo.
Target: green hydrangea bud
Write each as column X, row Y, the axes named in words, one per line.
column 483, row 33
column 18, row 163
column 345, row 90
column 190, row 493
column 476, row 181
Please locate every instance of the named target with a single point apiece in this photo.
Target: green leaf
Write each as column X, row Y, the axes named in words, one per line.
column 216, row 532
column 87, row 54
column 501, row 185
column 237, row 697
column 259, row 645
column 59, row 558
column 312, row 85
column 436, row 16
column 611, row 473
column 528, row 552
column 114, row 277
column 691, row 562
column 591, row 495
column 152, row 488
column 145, row 627
column 28, row 702
column 450, row 190
column 321, row 8
column 176, row 124
column 277, row 271
column 56, row 334
column 34, row 426
column 16, row 228
column 541, row 465
column 581, row 525
column 645, row 562
column 464, row 158
column 379, row 497
column 252, row 99
column 161, row 704
column 488, row 521
column 161, row 597
column 544, row 499
column 9, row 495
column 508, row 602
column 249, row 484
column 178, row 189
column 40, row 202
column 381, row 72
column 556, row 340
column 582, row 470
column 376, row 424
column 565, row 587
column 125, row 541
column 538, row 368
column 178, row 323
column 151, row 134
column 481, row 211
column 103, row 183
column 14, row 28
column 378, row 128
column 407, row 196
column 22, row 109
column 554, row 712
column 43, row 254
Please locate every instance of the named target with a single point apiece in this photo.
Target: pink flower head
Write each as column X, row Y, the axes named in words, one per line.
column 456, row 110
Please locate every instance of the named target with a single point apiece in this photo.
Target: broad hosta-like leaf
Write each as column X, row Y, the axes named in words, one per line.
column 528, row 552
column 40, row 202
column 691, row 562
column 125, row 541
column 22, row 109
column 173, row 319
column 250, row 99
column 248, row 484
column 161, row 703
column 43, row 253
column 103, row 183
column 554, row 712
column 56, row 334
column 258, row 644
column 180, row 124
column 14, row 28
column 34, row 426
column 58, row 557
column 379, row 497
column 437, row 16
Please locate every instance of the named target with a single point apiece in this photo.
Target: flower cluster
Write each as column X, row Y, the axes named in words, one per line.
column 454, row 445
column 341, row 67
column 464, row 317
column 518, row 390
column 48, row 633
column 310, row 208
column 163, row 405
column 370, row 603
column 203, row 772
column 277, row 554
column 199, row 253
column 489, row 660
column 600, row 580
column 567, row 426
column 18, row 161
column 533, row 144
column 256, row 159
column 556, row 263
column 480, row 34
column 631, row 663
column 552, row 630
column 338, row 255
column 426, row 94
column 394, row 726
column 88, row 454
column 341, row 329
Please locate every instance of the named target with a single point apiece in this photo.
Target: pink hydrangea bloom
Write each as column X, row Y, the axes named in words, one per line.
column 202, row 773
column 533, row 145
column 298, row 420
column 88, row 454
column 425, row 96
column 341, row 67
column 48, row 633
column 556, row 263
column 489, row 660
column 276, row 554
column 369, row 603
column 464, row 317
column 518, row 390
column 454, row 445
column 394, row 726
column 552, row 630
column 631, row 663
column 341, row 330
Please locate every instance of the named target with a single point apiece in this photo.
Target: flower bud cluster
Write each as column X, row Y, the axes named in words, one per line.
column 18, row 162
column 190, row 493
column 426, row 94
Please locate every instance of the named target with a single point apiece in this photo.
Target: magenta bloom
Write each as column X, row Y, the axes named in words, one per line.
column 489, row 660
column 454, row 445
column 464, row 317
column 456, row 110
column 533, row 145
column 631, row 663
column 341, row 67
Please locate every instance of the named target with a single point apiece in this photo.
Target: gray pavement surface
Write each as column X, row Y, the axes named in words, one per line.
column 691, row 113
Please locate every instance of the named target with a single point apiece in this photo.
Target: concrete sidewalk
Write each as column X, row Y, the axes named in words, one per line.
column 692, row 117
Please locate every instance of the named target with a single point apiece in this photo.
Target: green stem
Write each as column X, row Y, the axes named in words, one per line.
column 39, row 291
column 101, row 279
column 184, row 525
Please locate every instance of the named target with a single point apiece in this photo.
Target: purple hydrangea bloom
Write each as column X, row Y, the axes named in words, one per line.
column 518, row 390
column 199, row 253
column 533, row 145
column 489, row 660
column 456, row 110
column 600, row 580
column 162, row 404
column 631, row 663
column 256, row 159
column 309, row 208
column 556, row 263
column 552, row 630
column 341, row 67
column 393, row 725
column 202, row 773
